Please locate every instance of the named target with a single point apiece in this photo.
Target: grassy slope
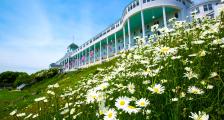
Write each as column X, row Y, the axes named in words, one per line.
column 10, row 100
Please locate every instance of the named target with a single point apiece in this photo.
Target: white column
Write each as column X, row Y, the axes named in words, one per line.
column 107, row 49
column 75, row 61
column 115, row 43
column 81, row 59
column 164, row 16
column 78, row 60
column 94, row 53
column 124, row 37
column 89, row 56
column 100, row 53
column 86, row 55
column 143, row 23
column 68, row 63
column 129, row 34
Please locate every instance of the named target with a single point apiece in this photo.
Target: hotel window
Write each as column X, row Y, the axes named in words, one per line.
column 210, row 7
column 205, row 8
column 144, row 1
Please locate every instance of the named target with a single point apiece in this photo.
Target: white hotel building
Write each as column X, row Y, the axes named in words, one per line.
column 136, row 20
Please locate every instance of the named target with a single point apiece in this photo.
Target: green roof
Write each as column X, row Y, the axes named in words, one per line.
column 73, row 46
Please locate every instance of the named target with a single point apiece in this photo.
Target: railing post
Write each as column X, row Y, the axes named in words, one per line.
column 124, row 36
column 164, row 16
column 129, row 34
column 115, row 43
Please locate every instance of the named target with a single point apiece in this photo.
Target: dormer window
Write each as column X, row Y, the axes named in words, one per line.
column 208, row 7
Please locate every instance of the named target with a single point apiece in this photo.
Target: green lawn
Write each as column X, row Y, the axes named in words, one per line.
column 10, row 100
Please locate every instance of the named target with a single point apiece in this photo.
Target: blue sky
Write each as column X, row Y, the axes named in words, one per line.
column 35, row 33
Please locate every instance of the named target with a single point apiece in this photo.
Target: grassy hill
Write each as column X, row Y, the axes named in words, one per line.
column 178, row 76
column 10, row 100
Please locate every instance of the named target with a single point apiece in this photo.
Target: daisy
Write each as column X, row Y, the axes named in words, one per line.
column 28, row 116
column 103, row 86
column 40, row 99
column 131, row 88
column 13, row 112
column 165, row 50
column 21, row 114
column 122, row 102
column 111, row 114
column 210, row 87
column 190, row 75
column 174, row 99
column 198, row 42
column 158, row 89
column 195, row 90
column 131, row 109
column 142, row 102
column 199, row 116
column 202, row 53
column 36, row 115
column 213, row 74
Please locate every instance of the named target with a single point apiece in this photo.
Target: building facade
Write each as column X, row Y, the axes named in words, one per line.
column 137, row 19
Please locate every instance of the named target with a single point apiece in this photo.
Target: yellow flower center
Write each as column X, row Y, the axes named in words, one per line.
column 122, row 102
column 165, row 49
column 131, row 107
column 110, row 115
column 142, row 103
column 156, row 90
column 101, row 112
column 94, row 96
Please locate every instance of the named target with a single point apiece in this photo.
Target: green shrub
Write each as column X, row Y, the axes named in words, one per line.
column 22, row 78
column 44, row 74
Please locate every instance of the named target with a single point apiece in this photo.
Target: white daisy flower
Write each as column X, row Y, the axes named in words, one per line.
column 28, row 116
column 190, row 75
column 103, row 85
column 122, row 102
column 36, row 115
column 50, row 92
column 202, row 53
column 143, row 102
column 111, row 114
column 199, row 116
column 195, row 90
column 210, row 86
column 93, row 96
column 198, row 42
column 213, row 74
column 21, row 114
column 13, row 112
column 131, row 88
column 158, row 89
column 40, row 99
column 131, row 109
column 174, row 99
